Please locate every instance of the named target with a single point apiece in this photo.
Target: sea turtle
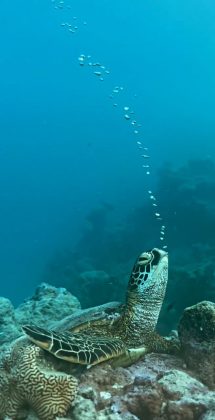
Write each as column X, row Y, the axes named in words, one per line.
column 125, row 338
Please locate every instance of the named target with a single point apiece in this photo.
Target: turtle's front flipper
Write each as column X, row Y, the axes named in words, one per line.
column 129, row 357
column 80, row 348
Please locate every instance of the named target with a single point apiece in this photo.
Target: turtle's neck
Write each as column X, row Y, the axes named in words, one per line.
column 142, row 310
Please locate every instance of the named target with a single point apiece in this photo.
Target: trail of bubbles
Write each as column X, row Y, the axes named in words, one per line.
column 101, row 72
column 74, row 25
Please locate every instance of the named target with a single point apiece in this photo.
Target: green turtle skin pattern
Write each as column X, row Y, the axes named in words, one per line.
column 78, row 348
column 144, row 299
column 102, row 340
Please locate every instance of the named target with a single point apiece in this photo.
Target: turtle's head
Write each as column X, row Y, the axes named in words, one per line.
column 145, row 293
column 150, row 271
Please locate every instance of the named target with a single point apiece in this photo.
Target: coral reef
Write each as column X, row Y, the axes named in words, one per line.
column 95, row 280
column 191, row 208
column 76, row 273
column 197, row 336
column 34, row 385
column 159, row 387
column 47, row 304
column 25, row 380
column 8, row 325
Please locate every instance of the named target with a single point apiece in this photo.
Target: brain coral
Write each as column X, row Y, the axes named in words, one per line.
column 26, row 380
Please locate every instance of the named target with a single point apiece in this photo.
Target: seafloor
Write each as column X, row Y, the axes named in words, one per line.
column 159, row 387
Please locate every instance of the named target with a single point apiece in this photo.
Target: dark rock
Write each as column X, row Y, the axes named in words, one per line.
column 9, row 328
column 197, row 336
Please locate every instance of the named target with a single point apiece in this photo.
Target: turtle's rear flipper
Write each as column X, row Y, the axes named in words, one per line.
column 159, row 344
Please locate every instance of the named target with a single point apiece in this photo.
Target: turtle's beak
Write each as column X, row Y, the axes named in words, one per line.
column 160, row 251
column 159, row 254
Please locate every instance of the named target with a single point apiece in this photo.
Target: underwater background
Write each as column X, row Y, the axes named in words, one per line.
column 74, row 204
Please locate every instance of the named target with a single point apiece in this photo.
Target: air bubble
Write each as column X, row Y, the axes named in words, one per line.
column 127, row 117
column 128, row 112
column 81, row 59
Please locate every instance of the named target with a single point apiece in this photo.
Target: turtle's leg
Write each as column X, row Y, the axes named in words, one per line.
column 129, row 357
column 155, row 343
column 158, row 344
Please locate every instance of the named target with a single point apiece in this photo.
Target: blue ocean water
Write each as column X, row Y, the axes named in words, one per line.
column 64, row 148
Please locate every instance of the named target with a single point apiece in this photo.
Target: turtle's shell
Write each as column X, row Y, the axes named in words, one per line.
column 106, row 313
column 112, row 330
